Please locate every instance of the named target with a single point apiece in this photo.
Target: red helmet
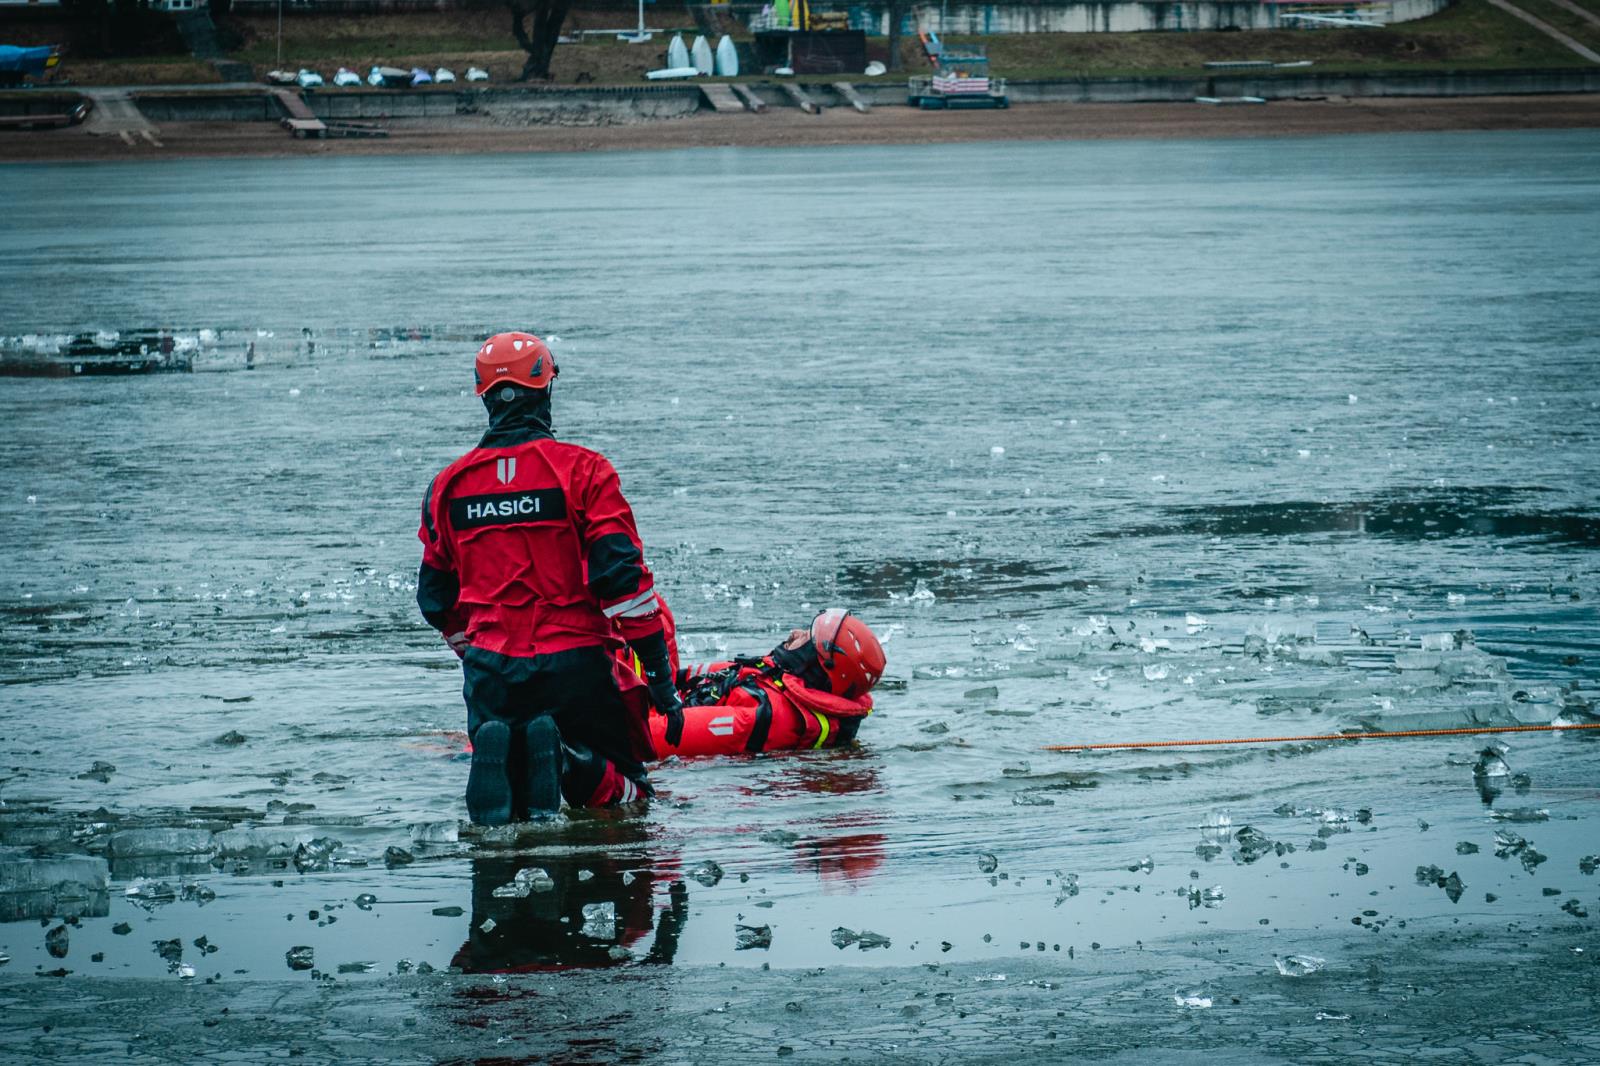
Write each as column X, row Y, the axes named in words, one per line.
column 850, row 655
column 520, row 358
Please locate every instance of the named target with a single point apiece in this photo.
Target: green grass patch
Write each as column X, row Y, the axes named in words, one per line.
column 1471, row 34
column 308, row 39
column 1577, row 27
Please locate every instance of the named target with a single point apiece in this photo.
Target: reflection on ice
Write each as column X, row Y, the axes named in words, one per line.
column 597, row 905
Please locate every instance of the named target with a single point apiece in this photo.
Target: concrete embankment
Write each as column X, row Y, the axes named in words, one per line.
column 235, row 105
column 633, row 103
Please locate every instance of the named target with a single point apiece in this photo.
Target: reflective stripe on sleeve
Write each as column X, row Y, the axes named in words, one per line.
column 642, row 604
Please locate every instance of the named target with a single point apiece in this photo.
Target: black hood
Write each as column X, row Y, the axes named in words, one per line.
column 802, row 663
column 516, row 416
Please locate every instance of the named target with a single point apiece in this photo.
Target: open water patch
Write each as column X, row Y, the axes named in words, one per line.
column 1494, row 512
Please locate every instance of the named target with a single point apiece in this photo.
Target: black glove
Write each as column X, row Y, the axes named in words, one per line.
column 652, row 653
column 666, row 699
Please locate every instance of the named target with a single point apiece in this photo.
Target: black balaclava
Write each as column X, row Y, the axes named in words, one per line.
column 517, row 414
column 803, row 663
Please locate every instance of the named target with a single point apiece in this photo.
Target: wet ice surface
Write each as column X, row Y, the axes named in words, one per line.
column 1094, row 488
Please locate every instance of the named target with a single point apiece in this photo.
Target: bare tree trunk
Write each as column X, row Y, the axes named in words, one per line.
column 540, row 43
column 896, row 16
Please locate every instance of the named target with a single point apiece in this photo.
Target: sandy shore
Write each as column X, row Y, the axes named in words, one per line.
column 791, row 128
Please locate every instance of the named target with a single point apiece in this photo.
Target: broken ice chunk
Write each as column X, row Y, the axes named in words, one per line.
column 1491, row 762
column 143, row 892
column 53, row 887
column 1299, row 965
column 708, row 873
column 436, row 832
column 315, row 854
column 258, row 843
column 527, row 880
column 748, row 937
column 137, row 843
column 600, row 921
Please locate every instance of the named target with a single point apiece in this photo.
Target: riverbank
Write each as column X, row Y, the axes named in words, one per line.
column 457, row 135
column 1467, row 35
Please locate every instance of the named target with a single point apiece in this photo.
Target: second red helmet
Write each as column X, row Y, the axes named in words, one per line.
column 518, row 358
column 848, row 651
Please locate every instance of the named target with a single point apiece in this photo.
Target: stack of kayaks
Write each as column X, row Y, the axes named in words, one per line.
column 700, row 60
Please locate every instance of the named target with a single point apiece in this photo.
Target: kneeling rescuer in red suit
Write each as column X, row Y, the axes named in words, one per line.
column 533, row 570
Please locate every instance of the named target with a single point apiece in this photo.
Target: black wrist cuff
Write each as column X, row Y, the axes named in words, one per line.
column 652, row 653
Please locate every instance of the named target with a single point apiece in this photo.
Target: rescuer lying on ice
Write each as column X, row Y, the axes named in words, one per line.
column 811, row 691
column 533, row 570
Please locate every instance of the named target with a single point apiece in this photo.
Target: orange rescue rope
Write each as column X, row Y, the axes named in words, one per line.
column 1322, row 736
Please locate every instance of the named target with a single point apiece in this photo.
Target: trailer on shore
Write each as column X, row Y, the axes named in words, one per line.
column 960, row 80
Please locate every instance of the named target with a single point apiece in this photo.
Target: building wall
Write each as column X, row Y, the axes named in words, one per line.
column 1122, row 16
column 965, row 19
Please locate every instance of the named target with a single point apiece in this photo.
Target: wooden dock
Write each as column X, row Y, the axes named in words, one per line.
column 299, row 120
column 302, row 123
column 720, row 97
column 798, row 95
column 748, row 95
column 851, row 97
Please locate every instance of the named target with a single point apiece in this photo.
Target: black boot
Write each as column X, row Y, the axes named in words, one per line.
column 488, row 787
column 542, row 774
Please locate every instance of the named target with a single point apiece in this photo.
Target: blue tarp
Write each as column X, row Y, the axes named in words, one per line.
column 25, row 60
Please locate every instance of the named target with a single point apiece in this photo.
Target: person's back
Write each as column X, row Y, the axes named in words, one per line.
column 538, row 499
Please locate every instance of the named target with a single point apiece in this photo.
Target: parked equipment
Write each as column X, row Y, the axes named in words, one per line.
column 16, row 63
column 961, row 81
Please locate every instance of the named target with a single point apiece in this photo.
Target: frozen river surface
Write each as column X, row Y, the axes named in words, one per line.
column 1112, row 442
